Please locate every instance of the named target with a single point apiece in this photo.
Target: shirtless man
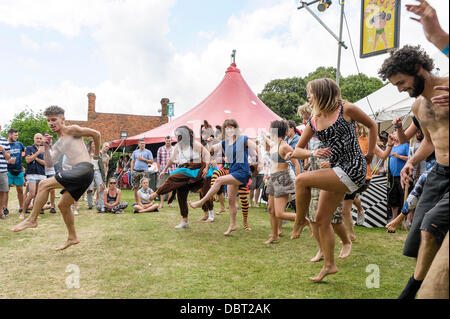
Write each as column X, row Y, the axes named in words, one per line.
column 74, row 182
column 409, row 69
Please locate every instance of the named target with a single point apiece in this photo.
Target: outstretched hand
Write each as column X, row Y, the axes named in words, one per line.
column 426, row 16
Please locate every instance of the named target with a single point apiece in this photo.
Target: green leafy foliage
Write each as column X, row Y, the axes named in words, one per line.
column 28, row 123
column 284, row 96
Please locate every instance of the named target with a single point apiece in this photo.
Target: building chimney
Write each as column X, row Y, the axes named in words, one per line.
column 164, row 118
column 91, row 106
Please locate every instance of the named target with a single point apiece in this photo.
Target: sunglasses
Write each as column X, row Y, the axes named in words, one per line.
column 113, row 183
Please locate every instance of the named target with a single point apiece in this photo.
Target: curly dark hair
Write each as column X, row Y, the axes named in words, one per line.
column 406, row 61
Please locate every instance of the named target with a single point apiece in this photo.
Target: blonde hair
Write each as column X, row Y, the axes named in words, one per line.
column 304, row 109
column 327, row 96
column 230, row 122
column 361, row 130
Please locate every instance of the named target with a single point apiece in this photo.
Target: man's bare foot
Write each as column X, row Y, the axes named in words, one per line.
column 196, row 204
column 324, row 272
column 170, row 205
column 204, row 218
column 68, row 243
column 222, row 210
column 317, row 257
column 271, row 240
column 24, row 225
column 345, row 251
column 230, row 229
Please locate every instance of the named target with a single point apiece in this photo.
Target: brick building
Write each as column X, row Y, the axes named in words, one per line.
column 113, row 126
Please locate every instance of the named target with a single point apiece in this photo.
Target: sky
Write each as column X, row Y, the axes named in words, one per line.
column 132, row 53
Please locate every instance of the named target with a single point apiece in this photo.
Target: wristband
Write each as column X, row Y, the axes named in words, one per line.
column 445, row 51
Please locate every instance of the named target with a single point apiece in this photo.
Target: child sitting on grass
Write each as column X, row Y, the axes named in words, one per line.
column 112, row 199
column 144, row 204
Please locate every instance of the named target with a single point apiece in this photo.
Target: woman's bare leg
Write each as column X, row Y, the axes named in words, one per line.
column 341, row 231
column 347, row 218
column 325, row 179
column 315, row 232
column 150, row 208
column 328, row 202
column 232, row 200
column 273, row 222
column 280, row 208
column 227, row 179
column 222, row 204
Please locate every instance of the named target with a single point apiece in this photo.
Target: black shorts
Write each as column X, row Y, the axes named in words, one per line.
column 77, row 180
column 360, row 190
column 431, row 214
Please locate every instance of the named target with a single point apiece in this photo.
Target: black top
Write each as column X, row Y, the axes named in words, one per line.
column 346, row 153
column 110, row 199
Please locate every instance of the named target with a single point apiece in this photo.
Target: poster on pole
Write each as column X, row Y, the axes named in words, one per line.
column 380, row 26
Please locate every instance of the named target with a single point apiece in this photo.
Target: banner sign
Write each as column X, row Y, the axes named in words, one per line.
column 380, row 26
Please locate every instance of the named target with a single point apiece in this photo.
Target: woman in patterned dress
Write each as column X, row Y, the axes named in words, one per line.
column 333, row 123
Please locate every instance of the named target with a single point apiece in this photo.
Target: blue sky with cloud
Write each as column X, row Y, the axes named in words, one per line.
column 131, row 53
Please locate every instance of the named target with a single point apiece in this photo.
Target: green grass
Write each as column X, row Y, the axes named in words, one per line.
column 144, row 256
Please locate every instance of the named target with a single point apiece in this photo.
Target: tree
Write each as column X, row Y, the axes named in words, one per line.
column 353, row 89
column 284, row 96
column 28, row 123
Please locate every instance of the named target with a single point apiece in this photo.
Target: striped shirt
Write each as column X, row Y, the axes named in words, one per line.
column 3, row 163
column 162, row 157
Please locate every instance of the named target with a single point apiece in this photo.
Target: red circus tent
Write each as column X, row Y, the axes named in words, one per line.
column 232, row 98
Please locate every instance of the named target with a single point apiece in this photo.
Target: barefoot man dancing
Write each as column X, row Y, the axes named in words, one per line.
column 73, row 182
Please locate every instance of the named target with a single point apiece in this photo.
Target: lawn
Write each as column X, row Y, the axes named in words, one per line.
column 144, row 256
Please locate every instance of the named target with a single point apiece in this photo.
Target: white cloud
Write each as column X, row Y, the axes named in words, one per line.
column 206, row 34
column 28, row 44
column 275, row 41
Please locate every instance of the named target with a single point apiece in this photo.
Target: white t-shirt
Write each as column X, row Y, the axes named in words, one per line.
column 145, row 195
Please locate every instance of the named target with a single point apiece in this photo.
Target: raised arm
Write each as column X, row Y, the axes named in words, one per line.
column 356, row 114
column 428, row 18
column 404, row 136
column 79, row 131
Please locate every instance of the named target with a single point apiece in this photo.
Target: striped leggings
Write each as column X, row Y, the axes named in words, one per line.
column 242, row 192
